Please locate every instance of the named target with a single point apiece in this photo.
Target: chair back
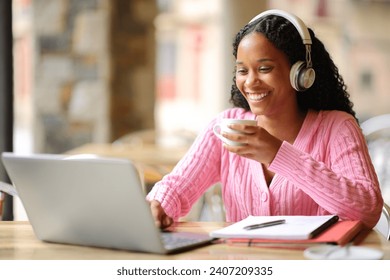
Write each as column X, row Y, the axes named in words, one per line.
column 383, row 225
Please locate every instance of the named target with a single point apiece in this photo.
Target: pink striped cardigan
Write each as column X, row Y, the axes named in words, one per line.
column 326, row 171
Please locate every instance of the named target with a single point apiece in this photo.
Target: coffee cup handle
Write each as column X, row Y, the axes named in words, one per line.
column 216, row 130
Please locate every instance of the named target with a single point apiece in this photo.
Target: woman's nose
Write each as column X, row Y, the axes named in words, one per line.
column 252, row 79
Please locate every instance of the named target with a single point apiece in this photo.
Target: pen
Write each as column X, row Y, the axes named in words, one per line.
column 266, row 224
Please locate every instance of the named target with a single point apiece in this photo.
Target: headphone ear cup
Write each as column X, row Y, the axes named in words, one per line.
column 301, row 78
column 294, row 75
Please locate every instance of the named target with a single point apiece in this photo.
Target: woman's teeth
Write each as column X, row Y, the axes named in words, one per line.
column 257, row 96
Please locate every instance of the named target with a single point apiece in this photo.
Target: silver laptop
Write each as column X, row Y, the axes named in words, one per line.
column 91, row 201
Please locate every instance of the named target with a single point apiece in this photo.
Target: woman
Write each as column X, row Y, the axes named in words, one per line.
column 307, row 154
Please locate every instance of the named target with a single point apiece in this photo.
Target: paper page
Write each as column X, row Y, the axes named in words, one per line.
column 7, row 188
column 295, row 227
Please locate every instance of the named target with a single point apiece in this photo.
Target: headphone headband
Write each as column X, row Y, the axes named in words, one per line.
column 296, row 21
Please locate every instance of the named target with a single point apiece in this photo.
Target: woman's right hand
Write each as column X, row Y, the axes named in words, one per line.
column 161, row 219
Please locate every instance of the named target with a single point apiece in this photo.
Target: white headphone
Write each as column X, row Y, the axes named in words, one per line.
column 302, row 75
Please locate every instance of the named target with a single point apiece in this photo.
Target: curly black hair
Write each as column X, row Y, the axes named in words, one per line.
column 328, row 92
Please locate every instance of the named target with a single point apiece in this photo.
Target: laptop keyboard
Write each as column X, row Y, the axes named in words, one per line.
column 175, row 240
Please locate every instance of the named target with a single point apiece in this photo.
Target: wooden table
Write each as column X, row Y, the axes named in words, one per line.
column 18, row 242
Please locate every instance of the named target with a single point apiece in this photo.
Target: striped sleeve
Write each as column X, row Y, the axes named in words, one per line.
column 343, row 182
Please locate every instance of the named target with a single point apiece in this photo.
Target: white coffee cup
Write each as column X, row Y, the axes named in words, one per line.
column 223, row 126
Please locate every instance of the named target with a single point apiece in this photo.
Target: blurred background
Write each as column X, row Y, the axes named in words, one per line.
column 99, row 71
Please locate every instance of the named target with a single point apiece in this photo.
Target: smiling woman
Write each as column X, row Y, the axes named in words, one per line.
column 306, row 155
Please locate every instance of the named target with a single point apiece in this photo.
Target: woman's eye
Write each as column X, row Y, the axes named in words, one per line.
column 241, row 71
column 265, row 69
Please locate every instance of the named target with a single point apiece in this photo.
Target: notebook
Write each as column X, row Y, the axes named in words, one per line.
column 91, row 201
column 341, row 233
column 292, row 228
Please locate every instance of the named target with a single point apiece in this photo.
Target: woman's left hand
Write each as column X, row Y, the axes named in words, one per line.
column 258, row 143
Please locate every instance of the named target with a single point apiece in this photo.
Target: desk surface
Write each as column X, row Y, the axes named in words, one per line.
column 17, row 241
